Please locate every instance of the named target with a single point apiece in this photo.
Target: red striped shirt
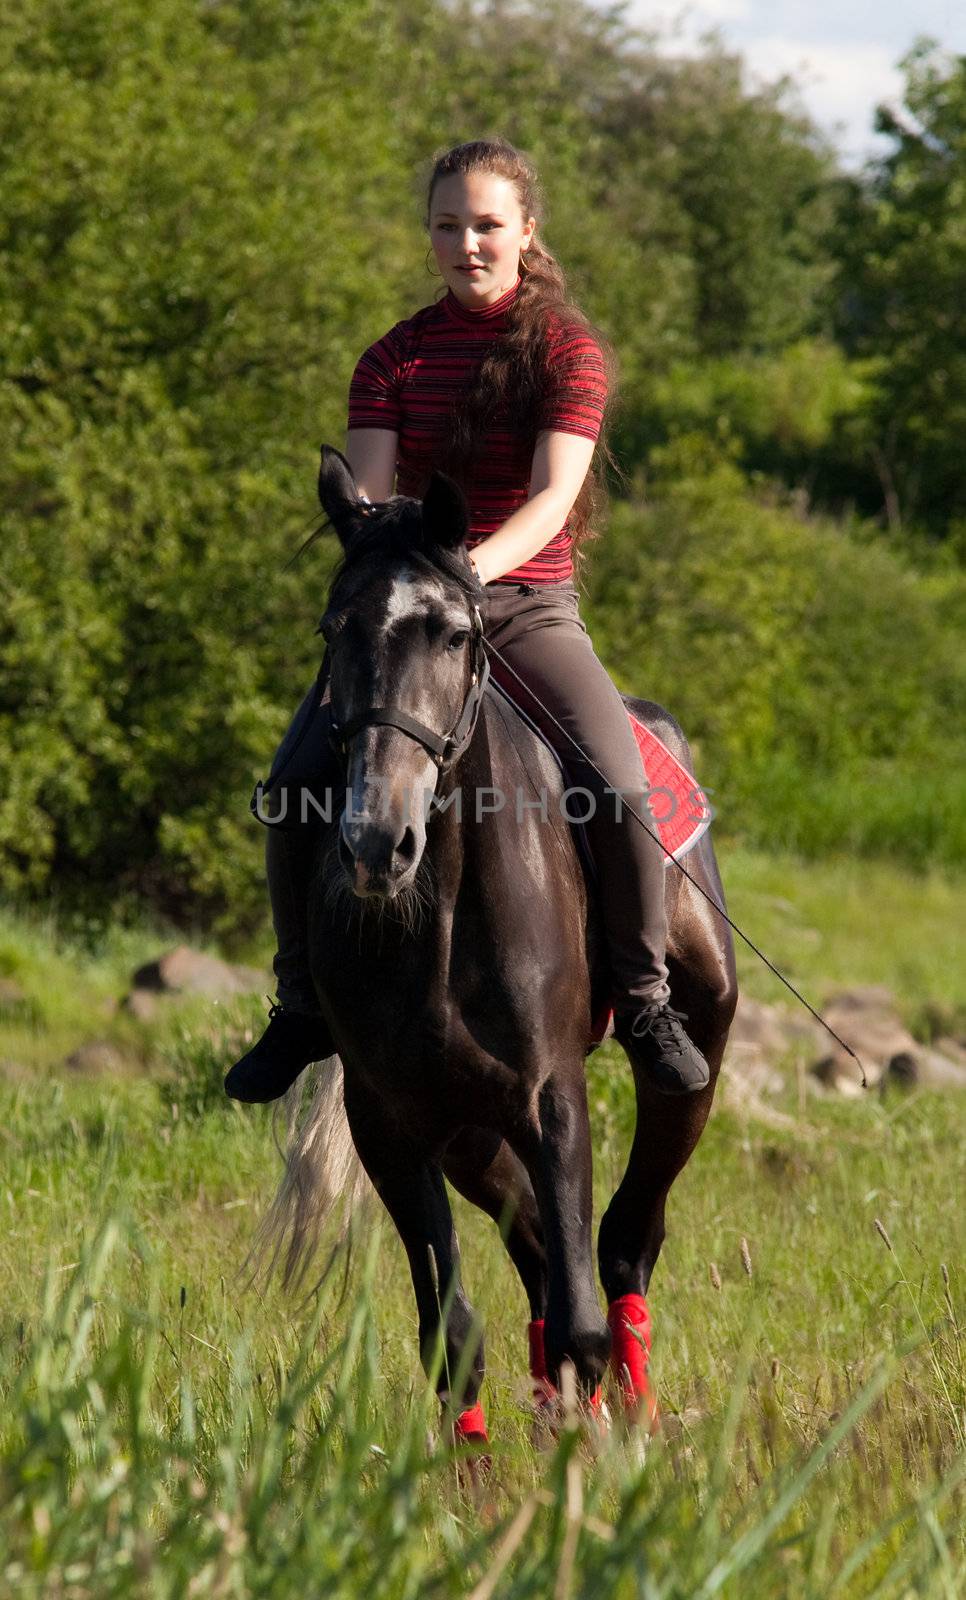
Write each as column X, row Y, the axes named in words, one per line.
column 411, row 378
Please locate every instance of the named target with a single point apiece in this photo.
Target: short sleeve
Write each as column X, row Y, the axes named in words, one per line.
column 577, row 388
column 374, row 389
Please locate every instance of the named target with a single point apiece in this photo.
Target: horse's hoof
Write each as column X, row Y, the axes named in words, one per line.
column 474, row 1475
column 640, row 1413
column 551, row 1416
column 595, row 1423
column 546, row 1421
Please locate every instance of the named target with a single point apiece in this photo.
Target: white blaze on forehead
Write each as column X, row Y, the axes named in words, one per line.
column 409, row 596
column 412, row 594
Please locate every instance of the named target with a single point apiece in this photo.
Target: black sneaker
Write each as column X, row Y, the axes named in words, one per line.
column 654, row 1039
column 291, row 1040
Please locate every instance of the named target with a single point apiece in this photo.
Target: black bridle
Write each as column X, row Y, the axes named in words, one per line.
column 445, row 749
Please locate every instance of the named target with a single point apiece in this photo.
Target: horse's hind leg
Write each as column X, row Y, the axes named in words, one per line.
column 411, row 1188
column 703, row 985
column 668, row 1128
column 632, row 1228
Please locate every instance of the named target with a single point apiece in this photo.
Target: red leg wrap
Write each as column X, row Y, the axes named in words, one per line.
column 543, row 1390
column 470, row 1425
column 630, row 1326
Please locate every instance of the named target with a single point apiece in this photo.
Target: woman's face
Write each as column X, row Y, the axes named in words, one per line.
column 475, row 222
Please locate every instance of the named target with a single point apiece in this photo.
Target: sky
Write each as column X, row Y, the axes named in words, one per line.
column 845, row 55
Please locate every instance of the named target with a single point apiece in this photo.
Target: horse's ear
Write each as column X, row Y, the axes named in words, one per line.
column 339, row 494
column 445, row 517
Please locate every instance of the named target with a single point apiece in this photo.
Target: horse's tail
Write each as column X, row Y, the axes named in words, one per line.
column 322, row 1174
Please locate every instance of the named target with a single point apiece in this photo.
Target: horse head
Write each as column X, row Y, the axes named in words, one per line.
column 407, row 668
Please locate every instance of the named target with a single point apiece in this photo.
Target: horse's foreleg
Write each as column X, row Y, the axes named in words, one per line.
column 557, row 1156
column 482, row 1167
column 411, row 1188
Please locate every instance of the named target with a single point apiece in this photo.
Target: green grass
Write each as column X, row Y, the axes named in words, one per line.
column 166, row 1430
column 870, row 809
column 838, row 922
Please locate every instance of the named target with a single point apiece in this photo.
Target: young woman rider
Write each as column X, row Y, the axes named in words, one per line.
column 503, row 384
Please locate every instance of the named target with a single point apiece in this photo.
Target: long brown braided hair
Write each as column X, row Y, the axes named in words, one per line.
column 514, row 372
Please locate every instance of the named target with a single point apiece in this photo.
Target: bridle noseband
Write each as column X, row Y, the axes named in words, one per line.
column 446, row 749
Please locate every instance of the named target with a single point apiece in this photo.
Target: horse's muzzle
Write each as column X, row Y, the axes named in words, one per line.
column 377, row 862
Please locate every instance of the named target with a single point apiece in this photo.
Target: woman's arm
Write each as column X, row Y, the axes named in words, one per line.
column 371, row 453
column 560, row 465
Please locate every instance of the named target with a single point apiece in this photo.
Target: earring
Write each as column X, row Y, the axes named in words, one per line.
column 428, row 267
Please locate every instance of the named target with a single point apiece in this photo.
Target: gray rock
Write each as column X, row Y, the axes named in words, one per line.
column 142, row 1004
column 747, row 1062
column 761, row 1037
column 96, row 1056
column 952, row 1049
column 863, row 997
column 867, row 1019
column 927, row 1068
column 186, row 971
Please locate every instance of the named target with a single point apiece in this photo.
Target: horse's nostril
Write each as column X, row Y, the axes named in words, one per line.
column 406, row 848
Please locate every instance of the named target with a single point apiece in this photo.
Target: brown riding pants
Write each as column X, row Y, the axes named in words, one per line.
column 539, row 633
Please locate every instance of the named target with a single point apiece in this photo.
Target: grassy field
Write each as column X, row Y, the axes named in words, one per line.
column 168, row 1430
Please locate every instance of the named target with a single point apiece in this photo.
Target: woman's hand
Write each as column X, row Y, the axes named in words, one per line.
column 481, row 595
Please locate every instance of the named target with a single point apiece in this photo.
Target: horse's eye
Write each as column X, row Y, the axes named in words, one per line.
column 330, row 626
column 458, row 639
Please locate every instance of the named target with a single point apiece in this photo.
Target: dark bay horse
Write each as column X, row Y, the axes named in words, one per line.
column 458, row 960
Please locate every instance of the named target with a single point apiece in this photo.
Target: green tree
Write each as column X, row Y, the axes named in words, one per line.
column 901, row 241
column 185, row 283
column 209, row 211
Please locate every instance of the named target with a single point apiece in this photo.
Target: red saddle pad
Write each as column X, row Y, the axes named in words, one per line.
column 682, row 814
column 677, row 802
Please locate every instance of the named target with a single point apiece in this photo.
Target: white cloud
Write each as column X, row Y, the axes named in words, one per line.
column 711, row 12
column 840, row 84
column 685, row 23
column 841, row 76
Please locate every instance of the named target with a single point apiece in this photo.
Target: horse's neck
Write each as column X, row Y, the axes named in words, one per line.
column 500, row 872
column 456, row 794
column 452, row 836
column 505, row 762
